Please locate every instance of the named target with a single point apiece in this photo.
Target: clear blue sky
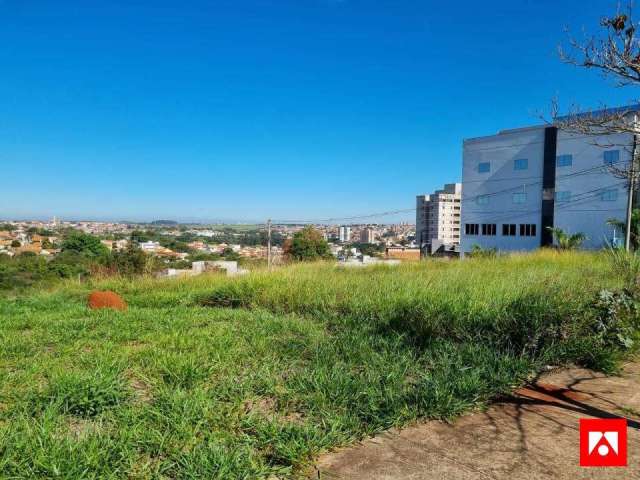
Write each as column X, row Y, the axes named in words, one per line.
column 248, row 109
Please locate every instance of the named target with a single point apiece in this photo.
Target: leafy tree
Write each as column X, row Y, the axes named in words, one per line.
column 229, row 254
column 614, row 51
column 140, row 236
column 16, row 244
column 371, row 249
column 7, row 227
column 307, row 244
column 130, row 261
column 84, row 244
column 566, row 241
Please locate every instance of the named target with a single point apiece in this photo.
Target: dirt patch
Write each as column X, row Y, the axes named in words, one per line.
column 106, row 299
column 267, row 407
column 141, row 390
column 264, row 406
column 80, row 428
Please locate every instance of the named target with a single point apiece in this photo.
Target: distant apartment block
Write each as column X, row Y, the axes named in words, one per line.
column 438, row 220
column 520, row 183
column 367, row 235
column 344, row 234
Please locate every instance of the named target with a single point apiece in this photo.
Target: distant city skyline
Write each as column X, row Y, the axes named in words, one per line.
column 247, row 110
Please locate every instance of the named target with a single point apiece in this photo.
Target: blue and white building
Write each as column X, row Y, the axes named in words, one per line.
column 519, row 183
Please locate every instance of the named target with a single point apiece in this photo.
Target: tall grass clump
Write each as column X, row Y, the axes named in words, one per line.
column 537, row 305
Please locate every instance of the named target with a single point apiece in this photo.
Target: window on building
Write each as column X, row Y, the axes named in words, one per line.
column 563, row 196
column 509, row 229
column 564, row 160
column 519, row 197
column 471, row 229
column 611, row 157
column 489, row 229
column 609, row 195
column 521, row 164
column 527, row 229
column 484, row 167
column 482, row 199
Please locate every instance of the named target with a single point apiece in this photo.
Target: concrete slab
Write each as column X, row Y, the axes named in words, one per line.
column 533, row 435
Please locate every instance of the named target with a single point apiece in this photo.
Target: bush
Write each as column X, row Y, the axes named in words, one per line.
column 616, row 322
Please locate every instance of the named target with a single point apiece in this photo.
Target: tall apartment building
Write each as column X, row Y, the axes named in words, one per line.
column 344, row 234
column 438, row 219
column 367, row 235
column 520, row 183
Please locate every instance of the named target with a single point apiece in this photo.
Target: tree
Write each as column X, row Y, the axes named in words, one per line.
column 567, row 241
column 84, row 244
column 615, row 52
column 635, row 227
column 130, row 261
column 307, row 244
column 7, row 227
column 16, row 244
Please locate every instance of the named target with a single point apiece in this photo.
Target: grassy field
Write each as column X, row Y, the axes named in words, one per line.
column 252, row 377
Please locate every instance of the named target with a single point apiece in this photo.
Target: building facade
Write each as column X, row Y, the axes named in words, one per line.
column 520, row 183
column 367, row 235
column 344, row 234
column 438, row 219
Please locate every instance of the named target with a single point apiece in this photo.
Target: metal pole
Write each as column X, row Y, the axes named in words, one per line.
column 632, row 174
column 627, row 229
column 269, row 244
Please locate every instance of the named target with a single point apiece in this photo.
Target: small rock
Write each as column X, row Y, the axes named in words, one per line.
column 106, row 299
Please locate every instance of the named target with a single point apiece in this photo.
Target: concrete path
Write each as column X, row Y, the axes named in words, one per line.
column 532, row 436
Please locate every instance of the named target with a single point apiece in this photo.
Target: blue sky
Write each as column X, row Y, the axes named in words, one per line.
column 248, row 109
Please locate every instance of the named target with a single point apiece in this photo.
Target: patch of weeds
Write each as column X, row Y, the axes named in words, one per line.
column 182, row 371
column 87, row 393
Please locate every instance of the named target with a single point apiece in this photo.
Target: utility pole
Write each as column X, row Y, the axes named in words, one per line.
column 627, row 227
column 269, row 244
column 632, row 184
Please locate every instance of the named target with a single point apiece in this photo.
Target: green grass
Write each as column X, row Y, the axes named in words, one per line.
column 252, row 377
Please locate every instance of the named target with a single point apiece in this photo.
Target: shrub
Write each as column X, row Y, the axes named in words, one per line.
column 616, row 321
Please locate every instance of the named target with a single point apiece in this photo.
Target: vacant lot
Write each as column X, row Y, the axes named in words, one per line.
column 252, row 377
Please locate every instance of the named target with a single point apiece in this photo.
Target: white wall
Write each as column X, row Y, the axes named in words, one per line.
column 586, row 212
column 501, row 151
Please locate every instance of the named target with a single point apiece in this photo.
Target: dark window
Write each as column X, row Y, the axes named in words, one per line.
column 484, row 167
column 488, row 229
column 527, row 229
column 471, row 229
column 611, row 157
column 509, row 229
column 520, row 164
column 564, row 160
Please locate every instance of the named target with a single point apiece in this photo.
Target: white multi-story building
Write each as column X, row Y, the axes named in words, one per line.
column 520, row 183
column 438, row 219
column 344, row 234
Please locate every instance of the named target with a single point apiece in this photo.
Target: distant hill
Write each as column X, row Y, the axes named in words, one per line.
column 164, row 222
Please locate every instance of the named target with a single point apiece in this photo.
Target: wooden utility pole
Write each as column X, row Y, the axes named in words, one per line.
column 269, row 244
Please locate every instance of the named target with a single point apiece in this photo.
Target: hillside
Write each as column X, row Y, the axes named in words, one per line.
column 212, row 377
